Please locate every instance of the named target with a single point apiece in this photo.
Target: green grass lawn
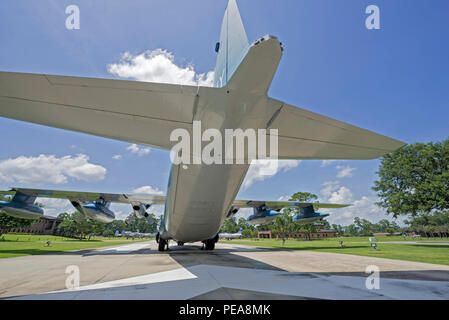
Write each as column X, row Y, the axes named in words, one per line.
column 436, row 254
column 16, row 245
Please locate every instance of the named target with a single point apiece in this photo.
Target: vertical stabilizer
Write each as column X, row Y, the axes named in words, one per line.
column 233, row 45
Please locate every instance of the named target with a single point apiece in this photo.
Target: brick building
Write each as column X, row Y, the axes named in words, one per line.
column 45, row 225
column 320, row 234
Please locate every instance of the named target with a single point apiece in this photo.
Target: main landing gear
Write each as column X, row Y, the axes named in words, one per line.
column 209, row 245
column 163, row 244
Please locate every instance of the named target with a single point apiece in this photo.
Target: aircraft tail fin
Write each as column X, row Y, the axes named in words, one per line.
column 240, row 231
column 232, row 47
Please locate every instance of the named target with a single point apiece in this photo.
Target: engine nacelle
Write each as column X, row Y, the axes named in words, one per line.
column 140, row 210
column 96, row 210
column 262, row 216
column 21, row 210
column 316, row 216
column 308, row 214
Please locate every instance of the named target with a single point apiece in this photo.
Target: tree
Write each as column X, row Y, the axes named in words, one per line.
column 414, row 179
column 283, row 226
column 339, row 229
column 248, row 233
column 303, row 197
column 137, row 224
column 439, row 221
column 326, row 224
column 112, row 227
column 229, row 226
column 77, row 224
column 244, row 225
column 364, row 227
column 68, row 226
column 9, row 222
column 307, row 228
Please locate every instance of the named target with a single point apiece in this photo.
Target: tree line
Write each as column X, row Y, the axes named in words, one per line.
column 413, row 182
column 77, row 224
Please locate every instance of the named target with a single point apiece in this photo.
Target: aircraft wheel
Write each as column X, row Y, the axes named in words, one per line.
column 210, row 244
column 180, row 243
column 162, row 244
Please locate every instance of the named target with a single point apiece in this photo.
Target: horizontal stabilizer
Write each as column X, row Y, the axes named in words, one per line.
column 308, row 135
column 136, row 112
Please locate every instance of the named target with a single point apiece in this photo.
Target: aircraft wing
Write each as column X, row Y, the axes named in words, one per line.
column 307, row 135
column 278, row 205
column 131, row 111
column 154, row 199
column 88, row 196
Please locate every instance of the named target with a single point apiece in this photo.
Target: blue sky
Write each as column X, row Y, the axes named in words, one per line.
column 394, row 81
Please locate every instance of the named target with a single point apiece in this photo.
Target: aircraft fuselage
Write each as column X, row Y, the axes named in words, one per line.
column 196, row 212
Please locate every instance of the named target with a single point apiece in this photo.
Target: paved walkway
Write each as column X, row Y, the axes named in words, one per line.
column 139, row 271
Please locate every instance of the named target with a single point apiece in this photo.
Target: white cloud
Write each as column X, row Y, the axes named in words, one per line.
column 49, row 169
column 122, row 211
column 342, row 196
column 117, row 157
column 259, row 168
column 53, row 207
column 325, row 163
column 148, row 190
column 364, row 208
column 329, row 188
column 157, row 210
column 345, row 172
column 158, row 66
column 139, row 151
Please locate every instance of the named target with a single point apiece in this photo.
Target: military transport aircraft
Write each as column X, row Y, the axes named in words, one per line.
column 200, row 196
column 230, row 236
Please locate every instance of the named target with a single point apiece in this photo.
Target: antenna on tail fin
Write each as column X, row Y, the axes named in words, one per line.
column 232, row 47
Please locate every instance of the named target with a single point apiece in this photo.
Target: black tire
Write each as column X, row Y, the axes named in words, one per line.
column 210, row 244
column 162, row 245
column 180, row 244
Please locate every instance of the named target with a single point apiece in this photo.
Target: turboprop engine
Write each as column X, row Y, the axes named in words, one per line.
column 262, row 215
column 308, row 214
column 140, row 210
column 97, row 210
column 22, row 206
